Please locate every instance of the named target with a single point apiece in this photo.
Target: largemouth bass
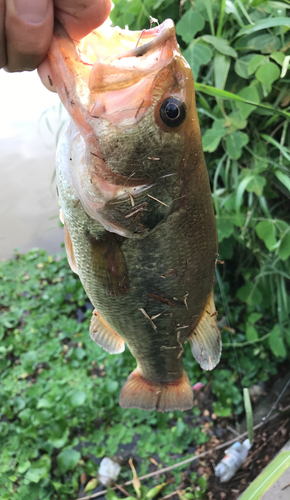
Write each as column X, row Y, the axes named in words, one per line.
column 136, row 205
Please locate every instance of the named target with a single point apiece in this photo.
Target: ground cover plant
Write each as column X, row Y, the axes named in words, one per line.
column 59, row 391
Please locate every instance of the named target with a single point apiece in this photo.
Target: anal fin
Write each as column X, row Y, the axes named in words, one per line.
column 145, row 395
column 205, row 340
column 104, row 335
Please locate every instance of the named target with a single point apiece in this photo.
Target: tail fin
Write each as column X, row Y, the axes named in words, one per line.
column 140, row 393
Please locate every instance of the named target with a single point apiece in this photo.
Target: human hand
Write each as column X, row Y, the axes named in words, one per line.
column 26, row 28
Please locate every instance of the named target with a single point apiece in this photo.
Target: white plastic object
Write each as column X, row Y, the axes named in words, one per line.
column 108, row 471
column 234, row 459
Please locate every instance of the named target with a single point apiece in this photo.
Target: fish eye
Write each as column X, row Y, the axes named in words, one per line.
column 172, row 112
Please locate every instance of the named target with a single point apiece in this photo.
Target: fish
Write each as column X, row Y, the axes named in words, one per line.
column 139, row 224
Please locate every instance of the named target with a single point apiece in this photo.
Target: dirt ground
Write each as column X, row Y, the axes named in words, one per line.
column 268, row 441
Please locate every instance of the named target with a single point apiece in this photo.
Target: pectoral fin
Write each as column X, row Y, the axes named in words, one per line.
column 104, row 335
column 108, row 263
column 205, row 340
column 146, row 395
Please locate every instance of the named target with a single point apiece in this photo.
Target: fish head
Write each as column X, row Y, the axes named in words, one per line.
column 131, row 98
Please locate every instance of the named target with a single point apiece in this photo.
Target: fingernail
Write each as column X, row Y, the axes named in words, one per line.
column 31, row 11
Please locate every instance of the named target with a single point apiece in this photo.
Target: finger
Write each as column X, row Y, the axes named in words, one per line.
column 28, row 27
column 44, row 72
column 78, row 20
column 3, row 59
column 80, row 17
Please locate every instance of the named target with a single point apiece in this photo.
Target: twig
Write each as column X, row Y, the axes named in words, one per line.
column 250, row 458
column 233, row 430
column 191, row 459
column 122, row 490
column 148, row 318
column 171, row 495
column 156, row 199
column 277, row 401
column 284, row 487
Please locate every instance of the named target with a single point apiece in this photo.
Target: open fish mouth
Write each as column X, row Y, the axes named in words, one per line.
column 117, row 58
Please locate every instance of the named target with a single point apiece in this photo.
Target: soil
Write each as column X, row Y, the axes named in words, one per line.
column 269, row 438
column 268, row 441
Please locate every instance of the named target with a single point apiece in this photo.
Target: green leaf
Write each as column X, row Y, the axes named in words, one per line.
column 190, row 23
column 254, row 317
column 220, row 44
column 255, row 62
column 91, row 485
column 284, row 247
column 242, row 66
column 249, row 93
column 285, row 66
column 235, row 143
column 267, row 74
column 39, row 469
column 276, row 342
column 236, row 120
column 18, row 404
column 250, row 294
column 45, row 403
column 197, row 54
column 224, row 94
column 256, row 185
column 249, row 414
column 221, row 410
column 251, row 333
column 264, row 24
column 225, row 228
column 268, row 477
column 155, row 491
column 213, row 136
column 221, row 70
column 77, row 398
column 23, row 467
column 287, row 335
column 265, row 43
column 68, row 459
column 283, row 178
column 271, row 140
column 278, row 57
column 58, row 433
column 266, row 231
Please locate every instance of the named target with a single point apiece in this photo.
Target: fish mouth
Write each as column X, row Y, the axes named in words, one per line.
column 157, row 36
column 107, row 79
column 115, row 59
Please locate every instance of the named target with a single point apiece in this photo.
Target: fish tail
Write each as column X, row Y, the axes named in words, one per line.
column 146, row 395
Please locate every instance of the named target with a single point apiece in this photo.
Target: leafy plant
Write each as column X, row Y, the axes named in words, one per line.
column 268, row 477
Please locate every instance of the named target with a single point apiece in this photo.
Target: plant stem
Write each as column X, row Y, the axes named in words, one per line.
column 222, row 12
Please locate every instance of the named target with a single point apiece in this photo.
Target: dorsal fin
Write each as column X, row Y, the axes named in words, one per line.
column 205, row 340
column 104, row 335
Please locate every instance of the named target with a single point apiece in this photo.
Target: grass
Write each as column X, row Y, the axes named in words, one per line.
column 59, row 391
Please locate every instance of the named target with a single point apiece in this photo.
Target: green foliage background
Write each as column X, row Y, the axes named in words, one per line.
column 59, row 391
